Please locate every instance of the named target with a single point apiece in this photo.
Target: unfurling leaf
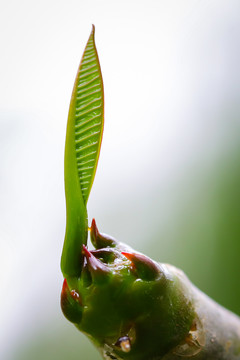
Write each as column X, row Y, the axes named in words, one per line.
column 88, row 118
column 83, row 142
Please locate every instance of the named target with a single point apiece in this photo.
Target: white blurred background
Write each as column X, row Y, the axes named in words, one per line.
column 168, row 174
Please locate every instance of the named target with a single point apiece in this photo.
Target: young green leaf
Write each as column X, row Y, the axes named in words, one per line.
column 88, row 117
column 83, row 141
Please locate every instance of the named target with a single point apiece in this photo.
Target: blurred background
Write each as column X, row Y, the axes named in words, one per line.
column 168, row 180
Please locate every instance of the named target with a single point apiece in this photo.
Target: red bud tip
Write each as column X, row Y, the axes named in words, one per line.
column 65, row 286
column 129, row 256
column 71, row 304
column 86, row 252
column 98, row 270
column 100, row 240
column 94, row 228
column 73, row 293
column 145, row 267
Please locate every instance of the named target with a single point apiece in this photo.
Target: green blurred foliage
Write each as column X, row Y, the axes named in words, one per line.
column 226, row 281
column 204, row 239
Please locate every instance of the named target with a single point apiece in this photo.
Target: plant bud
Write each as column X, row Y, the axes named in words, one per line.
column 145, row 268
column 100, row 272
column 71, row 304
column 100, row 240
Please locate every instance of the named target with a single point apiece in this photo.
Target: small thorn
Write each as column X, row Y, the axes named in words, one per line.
column 124, row 343
column 71, row 304
column 100, row 240
column 98, row 270
column 86, row 252
column 145, row 267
